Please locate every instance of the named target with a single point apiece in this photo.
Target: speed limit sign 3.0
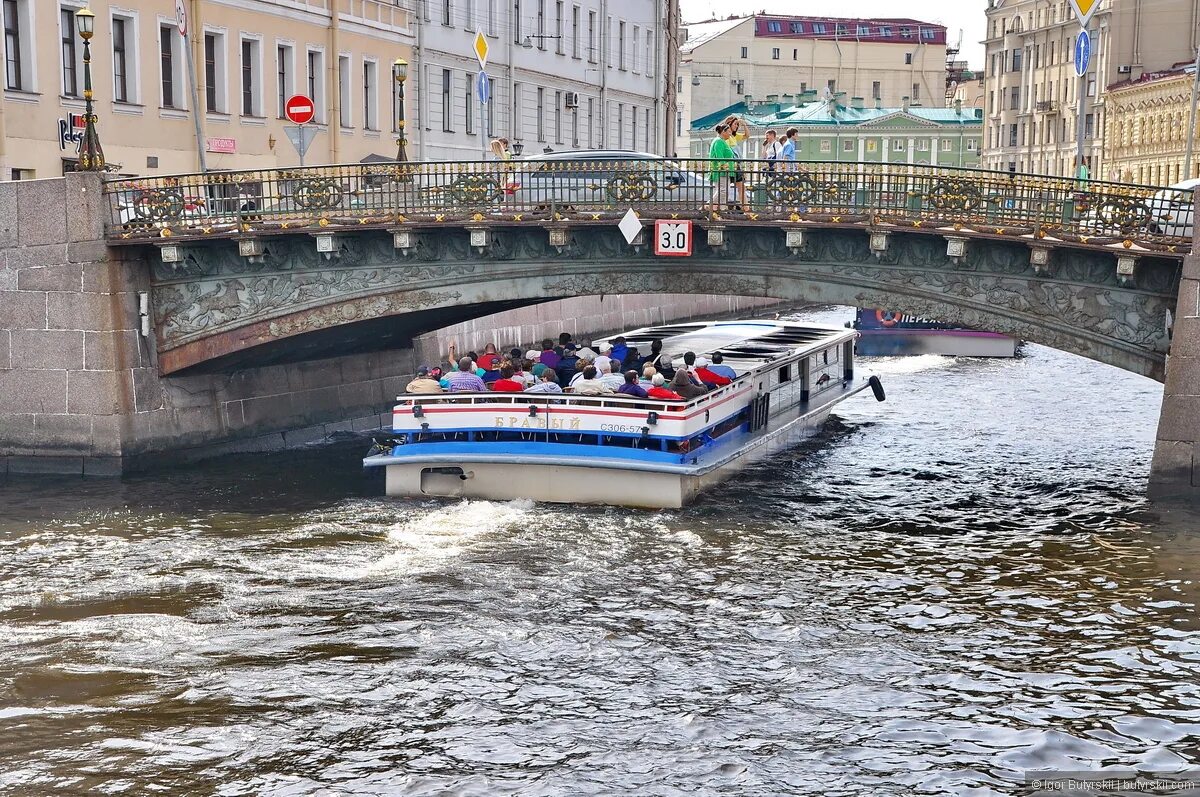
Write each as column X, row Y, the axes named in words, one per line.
column 673, row 238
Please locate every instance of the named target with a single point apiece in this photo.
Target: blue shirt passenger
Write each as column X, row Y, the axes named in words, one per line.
column 631, row 386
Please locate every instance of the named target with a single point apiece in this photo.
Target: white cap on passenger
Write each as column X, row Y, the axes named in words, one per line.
column 701, row 362
column 533, row 355
column 605, row 347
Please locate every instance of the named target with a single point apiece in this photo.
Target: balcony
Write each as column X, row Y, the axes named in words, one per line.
column 1046, row 106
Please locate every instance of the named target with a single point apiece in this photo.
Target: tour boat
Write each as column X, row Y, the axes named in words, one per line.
column 886, row 333
column 623, row 450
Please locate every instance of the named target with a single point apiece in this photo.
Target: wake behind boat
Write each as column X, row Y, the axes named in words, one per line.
column 625, row 450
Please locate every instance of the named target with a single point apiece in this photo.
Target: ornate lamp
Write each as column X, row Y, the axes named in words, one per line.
column 399, row 75
column 91, row 154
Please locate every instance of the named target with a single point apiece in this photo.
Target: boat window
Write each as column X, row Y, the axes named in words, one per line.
column 826, row 355
column 785, row 373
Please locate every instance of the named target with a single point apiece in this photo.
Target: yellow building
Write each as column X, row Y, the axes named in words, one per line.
column 249, row 56
column 1147, row 128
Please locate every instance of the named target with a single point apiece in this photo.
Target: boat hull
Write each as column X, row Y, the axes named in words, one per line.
column 953, row 343
column 596, row 480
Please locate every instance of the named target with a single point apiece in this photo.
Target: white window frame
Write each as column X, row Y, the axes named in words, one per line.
column 133, row 61
column 70, row 6
column 256, row 75
column 576, row 21
column 289, row 73
column 635, row 49
column 26, row 25
column 591, row 33
column 320, row 106
column 346, row 92
column 179, row 96
column 370, row 95
column 220, row 69
column 621, row 63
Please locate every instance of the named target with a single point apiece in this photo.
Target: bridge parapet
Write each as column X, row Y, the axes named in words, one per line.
column 564, row 192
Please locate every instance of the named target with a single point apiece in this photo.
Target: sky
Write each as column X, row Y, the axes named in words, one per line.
column 965, row 15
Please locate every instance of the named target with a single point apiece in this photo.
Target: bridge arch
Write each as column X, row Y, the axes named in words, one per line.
column 215, row 310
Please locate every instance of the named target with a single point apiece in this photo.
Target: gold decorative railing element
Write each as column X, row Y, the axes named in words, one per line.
column 592, row 191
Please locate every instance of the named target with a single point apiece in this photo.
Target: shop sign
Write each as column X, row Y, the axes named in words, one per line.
column 70, row 131
column 225, row 146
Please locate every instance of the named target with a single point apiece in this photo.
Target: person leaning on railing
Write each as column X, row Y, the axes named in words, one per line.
column 721, row 166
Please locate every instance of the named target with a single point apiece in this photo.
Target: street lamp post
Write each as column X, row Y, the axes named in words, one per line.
column 399, row 75
column 91, row 155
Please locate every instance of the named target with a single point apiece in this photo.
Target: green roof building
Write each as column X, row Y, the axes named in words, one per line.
column 832, row 131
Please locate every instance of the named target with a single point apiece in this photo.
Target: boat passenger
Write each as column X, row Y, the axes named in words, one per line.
column 718, row 367
column 614, row 378
column 621, row 352
column 682, row 384
column 631, row 386
column 537, row 369
column 660, row 361
column 465, row 380
column 423, row 382
column 603, row 359
column 657, row 391
column 707, row 376
column 549, row 356
column 548, row 383
column 580, row 365
column 647, row 376
column 564, row 339
column 525, row 373
column 488, row 361
column 565, row 368
column 507, row 383
column 589, row 385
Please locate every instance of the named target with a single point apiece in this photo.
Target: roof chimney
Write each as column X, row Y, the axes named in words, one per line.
column 878, row 104
column 958, row 107
column 904, row 102
column 856, row 103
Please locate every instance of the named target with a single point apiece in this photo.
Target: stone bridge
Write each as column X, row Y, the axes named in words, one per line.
column 252, row 268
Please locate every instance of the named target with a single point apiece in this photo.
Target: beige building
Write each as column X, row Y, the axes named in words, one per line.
column 249, row 56
column 1146, row 136
column 773, row 57
column 1032, row 92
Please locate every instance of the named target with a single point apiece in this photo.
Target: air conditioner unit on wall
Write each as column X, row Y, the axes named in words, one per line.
column 571, row 99
column 1124, row 69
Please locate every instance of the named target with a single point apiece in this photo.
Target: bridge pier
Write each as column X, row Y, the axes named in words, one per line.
column 1175, row 470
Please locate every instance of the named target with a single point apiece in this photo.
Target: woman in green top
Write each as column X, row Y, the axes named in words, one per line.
column 721, row 164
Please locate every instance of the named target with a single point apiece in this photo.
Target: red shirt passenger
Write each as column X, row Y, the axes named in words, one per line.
column 657, row 391
column 506, row 383
column 709, row 377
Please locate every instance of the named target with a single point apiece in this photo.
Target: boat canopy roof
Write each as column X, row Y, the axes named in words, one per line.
column 744, row 345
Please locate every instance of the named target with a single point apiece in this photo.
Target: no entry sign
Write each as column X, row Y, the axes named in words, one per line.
column 299, row 109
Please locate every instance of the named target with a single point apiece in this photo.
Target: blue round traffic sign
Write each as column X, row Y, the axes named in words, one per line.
column 1083, row 53
column 483, row 87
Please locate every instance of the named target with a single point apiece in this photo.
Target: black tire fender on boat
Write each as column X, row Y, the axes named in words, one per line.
column 877, row 388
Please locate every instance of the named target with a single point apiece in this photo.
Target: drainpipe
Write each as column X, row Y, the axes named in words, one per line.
column 419, row 82
column 604, row 43
column 334, row 70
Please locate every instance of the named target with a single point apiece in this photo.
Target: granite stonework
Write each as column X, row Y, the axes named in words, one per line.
column 79, row 386
column 80, row 389
column 1175, row 471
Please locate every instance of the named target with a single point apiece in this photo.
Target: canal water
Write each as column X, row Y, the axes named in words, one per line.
column 935, row 596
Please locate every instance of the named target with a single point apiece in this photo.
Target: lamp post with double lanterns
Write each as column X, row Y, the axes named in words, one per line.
column 91, row 155
column 399, row 75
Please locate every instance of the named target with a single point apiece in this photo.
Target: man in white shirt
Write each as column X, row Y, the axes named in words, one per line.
column 590, row 385
column 772, row 151
column 614, row 378
column 602, row 362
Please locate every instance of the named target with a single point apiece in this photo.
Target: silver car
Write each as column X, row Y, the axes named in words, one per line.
column 604, row 179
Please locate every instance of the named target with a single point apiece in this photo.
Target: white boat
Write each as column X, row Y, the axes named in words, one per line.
column 623, row 450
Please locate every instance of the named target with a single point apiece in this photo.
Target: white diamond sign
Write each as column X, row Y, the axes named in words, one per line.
column 630, row 226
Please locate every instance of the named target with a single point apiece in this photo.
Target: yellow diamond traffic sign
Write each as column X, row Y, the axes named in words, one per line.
column 481, row 49
column 1084, row 10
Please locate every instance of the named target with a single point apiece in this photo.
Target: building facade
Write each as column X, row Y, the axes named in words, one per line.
column 1033, row 115
column 767, row 56
column 563, row 75
column 836, row 131
column 249, row 56
column 1145, row 140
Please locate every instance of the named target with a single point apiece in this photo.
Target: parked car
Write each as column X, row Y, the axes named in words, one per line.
column 1173, row 210
column 604, row 178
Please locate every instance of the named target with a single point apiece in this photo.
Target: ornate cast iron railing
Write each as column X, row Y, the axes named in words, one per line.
column 227, row 204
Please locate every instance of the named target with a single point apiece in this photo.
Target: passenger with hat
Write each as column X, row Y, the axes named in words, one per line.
column 423, row 382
